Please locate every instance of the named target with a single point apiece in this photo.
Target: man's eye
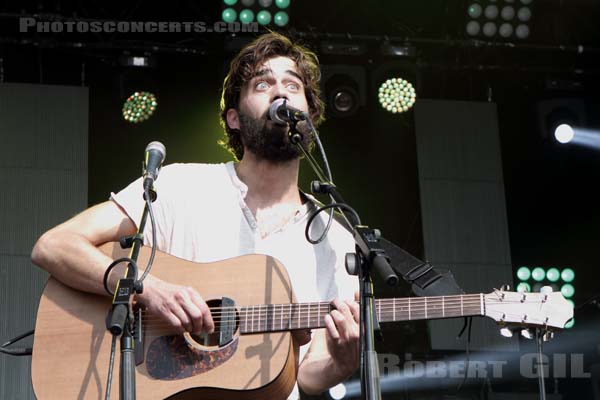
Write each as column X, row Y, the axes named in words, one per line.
column 262, row 85
column 294, row 86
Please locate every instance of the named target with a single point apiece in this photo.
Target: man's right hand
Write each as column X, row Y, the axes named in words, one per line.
column 181, row 307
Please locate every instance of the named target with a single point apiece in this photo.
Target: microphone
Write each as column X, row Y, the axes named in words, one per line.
column 281, row 112
column 153, row 159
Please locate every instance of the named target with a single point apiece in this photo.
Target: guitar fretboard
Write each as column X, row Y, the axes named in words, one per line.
column 284, row 317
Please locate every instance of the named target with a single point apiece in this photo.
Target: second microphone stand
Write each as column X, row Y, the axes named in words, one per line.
column 369, row 256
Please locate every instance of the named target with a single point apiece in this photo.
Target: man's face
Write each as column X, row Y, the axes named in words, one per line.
column 276, row 78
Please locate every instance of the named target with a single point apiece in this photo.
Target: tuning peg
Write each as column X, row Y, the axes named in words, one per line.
column 548, row 335
column 546, row 290
column 506, row 332
column 505, row 287
column 527, row 334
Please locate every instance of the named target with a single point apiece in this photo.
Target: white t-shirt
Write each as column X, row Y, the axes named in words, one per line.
column 201, row 216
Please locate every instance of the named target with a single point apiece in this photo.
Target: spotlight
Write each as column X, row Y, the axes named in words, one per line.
column 345, row 89
column 397, row 95
column 564, row 133
column 560, row 120
column 139, row 107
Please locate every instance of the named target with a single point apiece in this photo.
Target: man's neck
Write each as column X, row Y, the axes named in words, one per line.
column 269, row 184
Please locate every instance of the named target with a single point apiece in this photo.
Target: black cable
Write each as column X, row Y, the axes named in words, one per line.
column 23, row 351
column 153, row 224
column 131, row 261
column 326, row 207
column 111, row 365
column 469, row 323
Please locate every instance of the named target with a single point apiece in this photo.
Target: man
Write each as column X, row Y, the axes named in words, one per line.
column 211, row 212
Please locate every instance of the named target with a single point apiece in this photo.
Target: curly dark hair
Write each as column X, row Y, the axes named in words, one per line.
column 246, row 64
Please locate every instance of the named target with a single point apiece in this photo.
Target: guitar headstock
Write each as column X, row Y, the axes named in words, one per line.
column 549, row 311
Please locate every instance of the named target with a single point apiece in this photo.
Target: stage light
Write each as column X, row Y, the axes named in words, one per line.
column 522, row 31
column 538, row 274
column 523, row 287
column 281, row 19
column 473, row 28
column 506, row 30
column 139, row 107
column 263, row 12
column 397, row 95
column 564, row 133
column 246, row 16
column 506, row 19
column 567, row 275
column 263, row 17
column 567, row 290
column 229, row 15
column 523, row 273
column 475, row 10
column 282, row 3
column 344, row 88
column 553, row 274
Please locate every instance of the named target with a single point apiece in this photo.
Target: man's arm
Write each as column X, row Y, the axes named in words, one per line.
column 333, row 353
column 69, row 252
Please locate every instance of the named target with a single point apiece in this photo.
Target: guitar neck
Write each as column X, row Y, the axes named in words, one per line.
column 284, row 317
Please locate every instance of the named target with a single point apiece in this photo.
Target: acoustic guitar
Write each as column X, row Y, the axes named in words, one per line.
column 251, row 355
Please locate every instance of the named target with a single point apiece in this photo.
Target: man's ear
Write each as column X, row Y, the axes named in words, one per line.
column 233, row 119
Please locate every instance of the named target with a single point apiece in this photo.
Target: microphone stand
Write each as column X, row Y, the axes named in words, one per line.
column 121, row 315
column 369, row 255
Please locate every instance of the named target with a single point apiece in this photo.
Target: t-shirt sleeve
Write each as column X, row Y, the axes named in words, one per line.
column 131, row 200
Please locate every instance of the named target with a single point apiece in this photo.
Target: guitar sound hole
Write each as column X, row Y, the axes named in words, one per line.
column 212, row 339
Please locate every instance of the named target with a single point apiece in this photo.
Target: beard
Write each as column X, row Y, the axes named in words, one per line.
column 270, row 141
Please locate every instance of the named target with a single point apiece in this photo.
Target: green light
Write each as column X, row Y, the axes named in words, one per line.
column 396, row 95
column 282, row 3
column 571, row 302
column 230, row 2
column 553, row 274
column 246, row 16
column 570, row 324
column 567, row 290
column 263, row 17
column 538, row 274
column 523, row 287
column 567, row 275
column 523, row 273
column 229, row 15
column 139, row 107
column 281, row 18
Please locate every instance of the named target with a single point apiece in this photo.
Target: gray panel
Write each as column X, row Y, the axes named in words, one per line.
column 458, row 140
column 466, row 222
column 22, row 286
column 44, row 126
column 463, row 207
column 43, row 175
column 36, row 200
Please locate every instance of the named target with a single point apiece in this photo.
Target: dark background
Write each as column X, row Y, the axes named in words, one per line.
column 551, row 191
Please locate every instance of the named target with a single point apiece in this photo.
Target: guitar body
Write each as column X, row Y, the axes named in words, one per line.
column 72, row 345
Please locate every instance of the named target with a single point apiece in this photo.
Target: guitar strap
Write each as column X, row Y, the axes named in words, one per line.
column 425, row 280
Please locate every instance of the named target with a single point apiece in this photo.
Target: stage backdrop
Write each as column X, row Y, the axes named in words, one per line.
column 43, row 178
column 465, row 226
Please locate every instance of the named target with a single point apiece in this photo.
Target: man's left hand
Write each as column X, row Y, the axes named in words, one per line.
column 343, row 333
